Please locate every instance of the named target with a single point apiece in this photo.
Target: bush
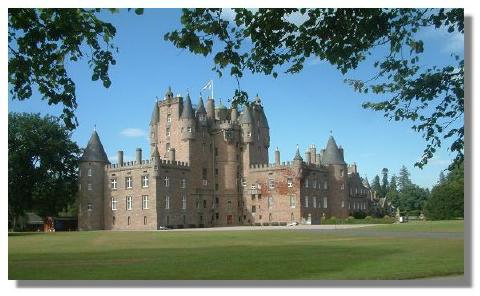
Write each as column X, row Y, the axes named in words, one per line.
column 359, row 214
column 368, row 218
column 388, row 219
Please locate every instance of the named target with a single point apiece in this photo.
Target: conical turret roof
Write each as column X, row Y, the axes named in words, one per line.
column 246, row 116
column 201, row 108
column 187, row 112
column 155, row 115
column 332, row 154
column 298, row 157
column 94, row 150
column 155, row 153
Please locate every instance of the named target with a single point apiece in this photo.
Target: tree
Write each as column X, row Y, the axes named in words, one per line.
column 392, row 194
column 447, row 198
column 404, row 178
column 42, row 41
column 412, row 198
column 270, row 41
column 384, row 182
column 376, row 185
column 42, row 165
column 441, row 178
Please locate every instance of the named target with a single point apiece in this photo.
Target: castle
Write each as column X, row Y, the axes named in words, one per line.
column 208, row 166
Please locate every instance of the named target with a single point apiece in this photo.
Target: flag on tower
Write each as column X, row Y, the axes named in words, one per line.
column 208, row 85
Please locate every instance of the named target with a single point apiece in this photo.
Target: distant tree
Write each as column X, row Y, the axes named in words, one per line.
column 42, row 165
column 441, row 178
column 376, row 185
column 404, row 178
column 447, row 198
column 392, row 194
column 269, row 41
column 41, row 42
column 413, row 198
column 384, row 182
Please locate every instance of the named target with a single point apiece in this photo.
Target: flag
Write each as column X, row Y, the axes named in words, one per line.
column 208, row 85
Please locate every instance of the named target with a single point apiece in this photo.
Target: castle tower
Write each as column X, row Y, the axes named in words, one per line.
column 338, row 185
column 262, row 131
column 154, row 127
column 210, row 108
column 92, row 180
column 187, row 120
column 201, row 113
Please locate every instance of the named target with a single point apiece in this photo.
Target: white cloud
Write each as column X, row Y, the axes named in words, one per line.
column 133, row 132
column 439, row 161
column 451, row 42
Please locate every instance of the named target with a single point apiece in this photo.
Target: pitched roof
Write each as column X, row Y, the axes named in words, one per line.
column 94, row 150
column 332, row 154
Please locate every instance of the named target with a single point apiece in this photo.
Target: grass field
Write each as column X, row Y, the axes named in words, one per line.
column 276, row 254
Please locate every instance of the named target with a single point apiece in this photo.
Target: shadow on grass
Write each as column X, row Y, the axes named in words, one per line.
column 24, row 233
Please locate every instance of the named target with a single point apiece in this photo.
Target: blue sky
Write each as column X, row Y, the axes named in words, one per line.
column 301, row 108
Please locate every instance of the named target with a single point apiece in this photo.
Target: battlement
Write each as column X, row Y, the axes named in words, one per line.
column 288, row 164
column 149, row 163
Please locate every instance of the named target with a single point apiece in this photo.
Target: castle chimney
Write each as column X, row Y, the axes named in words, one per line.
column 317, row 159
column 277, row 157
column 139, row 156
column 210, row 108
column 120, row 157
column 171, row 154
column 313, row 153
column 308, row 157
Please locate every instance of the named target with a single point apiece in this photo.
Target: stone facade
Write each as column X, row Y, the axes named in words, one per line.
column 208, row 166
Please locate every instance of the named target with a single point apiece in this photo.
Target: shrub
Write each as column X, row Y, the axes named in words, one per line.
column 359, row 215
column 368, row 218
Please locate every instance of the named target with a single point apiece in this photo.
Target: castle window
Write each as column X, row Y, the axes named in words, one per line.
column 292, row 201
column 216, row 186
column 271, row 183
column 290, row 182
column 114, row 203
column 270, row 202
column 201, row 117
column 169, row 117
column 216, row 172
column 356, row 190
column 167, row 202
column 145, row 181
column 306, row 201
column 314, row 185
column 128, row 182
column 167, row 146
column 89, row 172
column 341, row 173
column 129, row 203
column 197, row 203
column 204, row 176
column 325, row 185
column 166, row 181
column 167, row 132
column 244, row 182
column 343, row 204
column 204, row 203
column 189, row 129
column 253, row 187
column 113, row 220
column 324, row 202
column 306, row 183
column 145, row 220
column 89, row 206
column 254, row 209
column 89, row 186
column 183, row 183
column 129, row 220
column 114, row 184
column 314, row 202
column 342, row 186
column 249, row 134
column 145, row 202
column 184, row 202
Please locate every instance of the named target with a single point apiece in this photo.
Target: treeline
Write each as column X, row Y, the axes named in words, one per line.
column 444, row 201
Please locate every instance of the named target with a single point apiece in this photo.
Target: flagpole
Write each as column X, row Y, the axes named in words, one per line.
column 212, row 89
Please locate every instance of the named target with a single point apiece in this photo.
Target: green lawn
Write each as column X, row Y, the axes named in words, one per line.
column 232, row 255
column 424, row 226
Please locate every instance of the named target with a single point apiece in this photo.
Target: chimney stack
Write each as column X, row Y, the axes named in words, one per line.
column 277, row 157
column 120, row 157
column 171, row 154
column 139, row 156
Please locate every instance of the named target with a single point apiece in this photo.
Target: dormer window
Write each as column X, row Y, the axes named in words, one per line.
column 202, row 117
